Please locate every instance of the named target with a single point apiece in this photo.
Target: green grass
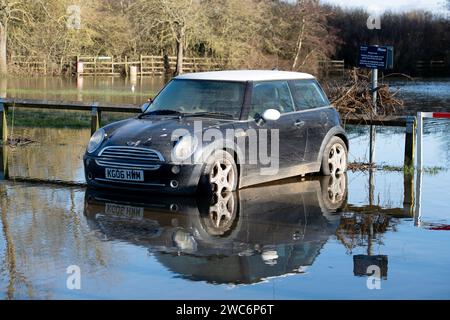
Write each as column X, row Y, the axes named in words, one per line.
column 67, row 92
column 59, row 118
column 409, row 170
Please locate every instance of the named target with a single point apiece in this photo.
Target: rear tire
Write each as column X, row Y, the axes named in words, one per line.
column 220, row 173
column 335, row 157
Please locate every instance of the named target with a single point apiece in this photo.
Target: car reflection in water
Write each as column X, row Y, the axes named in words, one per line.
column 234, row 238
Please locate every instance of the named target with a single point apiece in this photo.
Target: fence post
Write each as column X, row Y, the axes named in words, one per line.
column 419, row 140
column 3, row 122
column 95, row 118
column 4, row 172
column 417, row 211
column 372, row 138
column 410, row 141
column 408, row 193
column 418, row 200
column 4, row 146
column 153, row 65
column 112, row 65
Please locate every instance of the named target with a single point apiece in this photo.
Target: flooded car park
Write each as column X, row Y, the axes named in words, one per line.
column 292, row 239
column 278, row 241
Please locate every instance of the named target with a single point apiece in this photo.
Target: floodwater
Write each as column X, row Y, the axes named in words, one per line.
column 311, row 239
column 114, row 90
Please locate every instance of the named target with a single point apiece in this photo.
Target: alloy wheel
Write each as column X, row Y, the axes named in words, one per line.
column 222, row 176
column 337, row 159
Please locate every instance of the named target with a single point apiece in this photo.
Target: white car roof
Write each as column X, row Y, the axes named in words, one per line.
column 246, row 75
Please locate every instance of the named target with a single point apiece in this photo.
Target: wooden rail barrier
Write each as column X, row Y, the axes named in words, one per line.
column 148, row 65
column 432, row 66
column 31, row 64
column 96, row 109
column 334, row 67
column 409, row 122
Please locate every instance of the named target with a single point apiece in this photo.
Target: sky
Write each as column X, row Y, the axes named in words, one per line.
column 378, row 6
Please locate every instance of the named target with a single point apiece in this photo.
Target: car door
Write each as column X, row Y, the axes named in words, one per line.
column 313, row 112
column 291, row 144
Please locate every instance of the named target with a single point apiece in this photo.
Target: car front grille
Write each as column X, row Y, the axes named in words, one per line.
column 129, row 157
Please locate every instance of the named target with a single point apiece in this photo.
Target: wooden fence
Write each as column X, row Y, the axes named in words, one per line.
column 332, row 67
column 432, row 66
column 96, row 110
column 146, row 65
column 31, row 64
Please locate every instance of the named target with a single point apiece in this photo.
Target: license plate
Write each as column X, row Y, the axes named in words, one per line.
column 124, row 174
column 124, row 211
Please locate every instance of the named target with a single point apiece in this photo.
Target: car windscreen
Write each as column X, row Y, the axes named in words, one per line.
column 197, row 96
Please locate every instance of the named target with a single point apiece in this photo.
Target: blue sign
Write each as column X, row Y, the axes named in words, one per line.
column 375, row 57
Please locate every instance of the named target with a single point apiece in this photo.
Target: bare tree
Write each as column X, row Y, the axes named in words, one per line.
column 10, row 11
column 173, row 19
column 233, row 30
column 314, row 37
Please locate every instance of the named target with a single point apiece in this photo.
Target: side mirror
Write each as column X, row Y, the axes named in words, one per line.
column 271, row 115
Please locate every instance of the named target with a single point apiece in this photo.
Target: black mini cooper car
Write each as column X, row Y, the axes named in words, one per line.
column 221, row 131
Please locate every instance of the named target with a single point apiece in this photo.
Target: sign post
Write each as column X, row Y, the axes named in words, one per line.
column 374, row 105
column 374, row 58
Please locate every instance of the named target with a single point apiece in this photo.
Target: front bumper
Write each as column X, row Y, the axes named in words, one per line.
column 158, row 180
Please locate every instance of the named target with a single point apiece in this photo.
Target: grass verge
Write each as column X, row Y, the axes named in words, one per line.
column 409, row 170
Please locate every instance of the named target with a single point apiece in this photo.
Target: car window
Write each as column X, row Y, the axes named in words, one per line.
column 307, row 94
column 190, row 96
column 271, row 95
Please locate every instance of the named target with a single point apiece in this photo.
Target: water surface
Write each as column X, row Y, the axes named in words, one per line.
column 310, row 239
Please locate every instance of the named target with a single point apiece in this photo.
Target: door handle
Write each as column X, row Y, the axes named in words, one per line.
column 299, row 123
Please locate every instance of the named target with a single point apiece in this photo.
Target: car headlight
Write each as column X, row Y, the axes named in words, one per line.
column 184, row 148
column 96, row 140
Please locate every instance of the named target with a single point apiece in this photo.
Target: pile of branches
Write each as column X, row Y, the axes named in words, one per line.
column 19, row 141
column 353, row 96
column 360, row 166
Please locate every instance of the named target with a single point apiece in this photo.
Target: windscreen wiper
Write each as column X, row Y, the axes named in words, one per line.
column 208, row 114
column 160, row 112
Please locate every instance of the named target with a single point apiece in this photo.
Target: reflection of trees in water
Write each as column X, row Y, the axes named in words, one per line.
column 57, row 155
column 3, row 86
column 9, row 263
column 45, row 232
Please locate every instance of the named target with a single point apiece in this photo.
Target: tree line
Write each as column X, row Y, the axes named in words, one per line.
column 415, row 36
column 288, row 35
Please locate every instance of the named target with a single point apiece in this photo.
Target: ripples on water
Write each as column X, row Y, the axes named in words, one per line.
column 424, row 95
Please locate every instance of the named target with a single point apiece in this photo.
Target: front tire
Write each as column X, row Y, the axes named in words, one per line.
column 335, row 157
column 220, row 173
